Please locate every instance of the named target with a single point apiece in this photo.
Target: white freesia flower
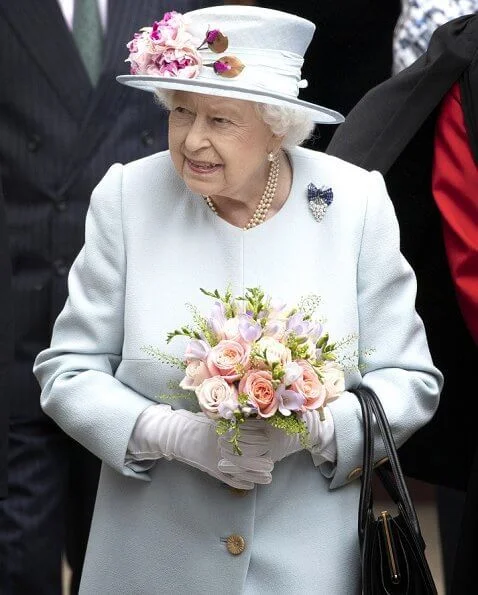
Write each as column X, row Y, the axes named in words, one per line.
column 278, row 310
column 231, row 328
column 227, row 408
column 292, row 373
column 275, row 352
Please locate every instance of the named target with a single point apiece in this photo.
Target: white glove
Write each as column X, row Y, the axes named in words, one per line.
column 253, row 441
column 321, row 443
column 191, row 438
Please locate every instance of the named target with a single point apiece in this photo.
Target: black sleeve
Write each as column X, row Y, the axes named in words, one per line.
column 6, row 341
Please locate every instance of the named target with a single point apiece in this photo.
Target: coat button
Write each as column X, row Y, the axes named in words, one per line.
column 147, row 138
column 380, row 462
column 61, row 268
column 61, row 205
column 33, row 143
column 238, row 492
column 235, row 544
column 355, row 474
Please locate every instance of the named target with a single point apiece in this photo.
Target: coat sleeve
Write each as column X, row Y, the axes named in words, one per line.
column 76, row 373
column 397, row 364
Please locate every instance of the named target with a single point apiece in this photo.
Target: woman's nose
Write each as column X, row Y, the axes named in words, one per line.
column 197, row 136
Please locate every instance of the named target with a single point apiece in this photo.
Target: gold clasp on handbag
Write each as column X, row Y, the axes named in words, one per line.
column 390, row 546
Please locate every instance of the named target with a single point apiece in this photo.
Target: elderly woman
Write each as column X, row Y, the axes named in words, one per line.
column 234, row 202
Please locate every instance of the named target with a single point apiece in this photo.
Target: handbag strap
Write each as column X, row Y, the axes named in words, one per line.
column 395, row 484
column 401, row 495
column 366, row 495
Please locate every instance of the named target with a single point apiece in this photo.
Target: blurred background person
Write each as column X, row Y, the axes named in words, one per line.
column 6, row 342
column 417, row 22
column 63, row 121
column 420, row 130
column 351, row 51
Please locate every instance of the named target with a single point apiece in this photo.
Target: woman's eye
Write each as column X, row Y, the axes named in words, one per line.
column 181, row 110
column 222, row 121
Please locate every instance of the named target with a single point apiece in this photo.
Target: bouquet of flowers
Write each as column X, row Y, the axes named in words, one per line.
column 253, row 358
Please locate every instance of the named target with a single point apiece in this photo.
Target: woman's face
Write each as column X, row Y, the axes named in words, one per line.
column 219, row 146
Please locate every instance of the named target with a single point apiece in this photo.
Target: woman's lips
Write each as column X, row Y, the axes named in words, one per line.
column 203, row 167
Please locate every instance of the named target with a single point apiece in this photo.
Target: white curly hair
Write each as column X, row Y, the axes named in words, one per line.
column 294, row 125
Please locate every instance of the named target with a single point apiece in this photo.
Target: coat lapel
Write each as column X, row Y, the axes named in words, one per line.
column 45, row 35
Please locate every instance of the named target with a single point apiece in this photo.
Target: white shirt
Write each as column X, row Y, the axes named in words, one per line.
column 67, row 7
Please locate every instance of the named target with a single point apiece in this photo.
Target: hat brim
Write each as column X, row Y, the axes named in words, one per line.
column 151, row 83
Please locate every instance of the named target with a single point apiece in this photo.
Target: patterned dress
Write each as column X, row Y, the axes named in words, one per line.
column 416, row 25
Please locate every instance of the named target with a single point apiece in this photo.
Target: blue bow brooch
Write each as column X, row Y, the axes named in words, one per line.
column 319, row 200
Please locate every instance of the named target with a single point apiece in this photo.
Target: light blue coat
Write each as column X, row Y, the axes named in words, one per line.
column 150, row 244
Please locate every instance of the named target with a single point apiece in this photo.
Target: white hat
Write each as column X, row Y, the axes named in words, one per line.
column 242, row 52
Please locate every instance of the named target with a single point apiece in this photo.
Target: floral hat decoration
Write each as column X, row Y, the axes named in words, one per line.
column 241, row 52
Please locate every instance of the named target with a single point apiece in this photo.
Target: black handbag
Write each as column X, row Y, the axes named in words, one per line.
column 391, row 546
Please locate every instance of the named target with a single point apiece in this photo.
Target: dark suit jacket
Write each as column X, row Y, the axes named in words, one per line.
column 6, row 343
column 58, row 136
column 391, row 130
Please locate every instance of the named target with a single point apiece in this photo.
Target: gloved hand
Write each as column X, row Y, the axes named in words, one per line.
column 191, row 438
column 321, row 443
column 254, row 445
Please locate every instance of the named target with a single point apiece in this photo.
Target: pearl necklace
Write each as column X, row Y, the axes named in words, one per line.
column 259, row 215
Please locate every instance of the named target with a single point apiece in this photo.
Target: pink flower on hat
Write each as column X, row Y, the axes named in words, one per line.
column 168, row 49
column 171, row 27
column 177, row 62
column 165, row 49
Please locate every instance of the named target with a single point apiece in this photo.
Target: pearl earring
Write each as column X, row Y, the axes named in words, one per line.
column 271, row 156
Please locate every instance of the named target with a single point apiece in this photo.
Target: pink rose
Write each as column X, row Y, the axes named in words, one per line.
column 227, row 358
column 196, row 373
column 212, row 393
column 309, row 386
column 257, row 385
